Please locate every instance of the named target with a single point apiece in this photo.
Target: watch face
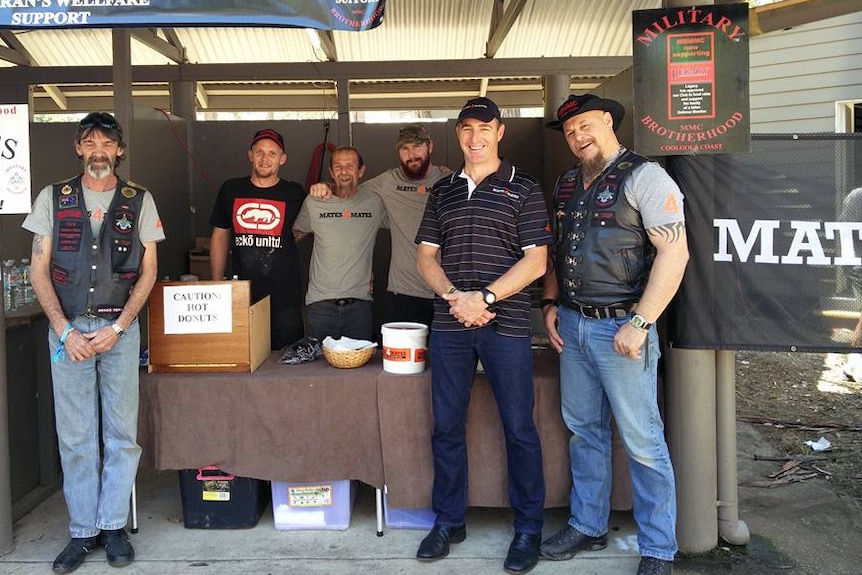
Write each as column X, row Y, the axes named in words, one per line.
column 640, row 322
column 489, row 296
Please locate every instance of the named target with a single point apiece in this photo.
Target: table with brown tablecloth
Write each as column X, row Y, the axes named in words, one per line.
column 297, row 423
column 313, row 422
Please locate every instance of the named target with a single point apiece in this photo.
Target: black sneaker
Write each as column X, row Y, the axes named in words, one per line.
column 71, row 557
column 116, row 543
column 568, row 541
column 655, row 566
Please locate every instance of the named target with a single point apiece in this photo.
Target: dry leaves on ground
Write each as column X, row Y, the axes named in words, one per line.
column 799, row 397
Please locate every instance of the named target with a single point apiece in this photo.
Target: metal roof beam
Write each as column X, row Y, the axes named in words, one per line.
column 16, row 53
column 148, row 37
column 790, row 13
column 201, row 96
column 327, row 44
column 500, row 30
column 583, row 66
column 57, row 95
column 174, row 40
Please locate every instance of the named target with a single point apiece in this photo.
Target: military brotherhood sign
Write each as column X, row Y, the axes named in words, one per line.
column 691, row 80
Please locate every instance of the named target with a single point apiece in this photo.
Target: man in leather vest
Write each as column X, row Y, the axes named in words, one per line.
column 93, row 265
column 620, row 253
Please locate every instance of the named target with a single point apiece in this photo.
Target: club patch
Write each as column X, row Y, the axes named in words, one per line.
column 123, row 219
column 606, row 197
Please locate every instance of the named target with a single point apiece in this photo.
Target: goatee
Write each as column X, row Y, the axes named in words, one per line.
column 592, row 167
column 99, row 173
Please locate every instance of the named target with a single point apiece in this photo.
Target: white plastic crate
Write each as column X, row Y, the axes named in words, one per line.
column 319, row 505
column 405, row 517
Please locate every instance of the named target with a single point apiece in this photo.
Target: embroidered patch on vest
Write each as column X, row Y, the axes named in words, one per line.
column 123, row 219
column 606, row 197
column 66, row 202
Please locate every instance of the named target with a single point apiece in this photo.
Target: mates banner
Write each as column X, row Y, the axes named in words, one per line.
column 776, row 246
column 351, row 15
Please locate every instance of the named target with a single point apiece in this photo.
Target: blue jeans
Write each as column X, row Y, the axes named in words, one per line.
column 508, row 363
column 98, row 489
column 596, row 381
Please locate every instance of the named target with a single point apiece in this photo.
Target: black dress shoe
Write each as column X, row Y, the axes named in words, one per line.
column 71, row 557
column 116, row 543
column 523, row 553
column 568, row 541
column 436, row 544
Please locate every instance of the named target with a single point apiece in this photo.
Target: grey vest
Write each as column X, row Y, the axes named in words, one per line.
column 95, row 275
column 603, row 255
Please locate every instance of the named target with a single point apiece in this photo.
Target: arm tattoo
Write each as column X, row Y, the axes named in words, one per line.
column 37, row 245
column 670, row 232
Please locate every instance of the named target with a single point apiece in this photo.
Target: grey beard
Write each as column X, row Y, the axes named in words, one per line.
column 97, row 173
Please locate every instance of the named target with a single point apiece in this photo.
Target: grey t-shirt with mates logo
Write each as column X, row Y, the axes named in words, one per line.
column 405, row 201
column 344, row 235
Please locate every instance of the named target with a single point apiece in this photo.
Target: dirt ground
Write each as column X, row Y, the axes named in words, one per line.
column 793, row 398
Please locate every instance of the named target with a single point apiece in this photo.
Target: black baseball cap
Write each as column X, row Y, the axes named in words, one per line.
column 483, row 109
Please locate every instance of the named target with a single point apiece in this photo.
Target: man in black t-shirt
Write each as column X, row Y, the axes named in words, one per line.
column 253, row 217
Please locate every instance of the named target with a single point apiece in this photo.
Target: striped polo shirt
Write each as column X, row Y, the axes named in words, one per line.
column 481, row 235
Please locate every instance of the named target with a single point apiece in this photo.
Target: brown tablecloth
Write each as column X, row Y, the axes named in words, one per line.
column 313, row 422
column 297, row 423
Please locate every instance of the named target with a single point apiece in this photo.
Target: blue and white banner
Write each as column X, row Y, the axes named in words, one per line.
column 350, row 15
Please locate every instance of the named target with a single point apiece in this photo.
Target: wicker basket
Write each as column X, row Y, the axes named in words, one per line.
column 347, row 358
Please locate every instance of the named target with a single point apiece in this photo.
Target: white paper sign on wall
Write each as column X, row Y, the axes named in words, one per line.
column 14, row 159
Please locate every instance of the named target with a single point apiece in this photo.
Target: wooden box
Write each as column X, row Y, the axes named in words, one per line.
column 243, row 349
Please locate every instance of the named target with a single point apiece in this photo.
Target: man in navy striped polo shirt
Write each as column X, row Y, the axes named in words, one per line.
column 489, row 225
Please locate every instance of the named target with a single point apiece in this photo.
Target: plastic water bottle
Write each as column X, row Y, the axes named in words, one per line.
column 28, row 296
column 11, row 285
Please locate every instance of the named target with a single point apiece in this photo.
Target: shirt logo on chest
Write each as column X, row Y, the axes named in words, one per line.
column 259, row 216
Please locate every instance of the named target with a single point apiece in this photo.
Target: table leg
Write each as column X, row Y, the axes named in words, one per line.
column 379, row 512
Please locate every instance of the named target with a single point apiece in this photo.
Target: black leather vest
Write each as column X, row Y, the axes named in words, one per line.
column 94, row 275
column 603, row 255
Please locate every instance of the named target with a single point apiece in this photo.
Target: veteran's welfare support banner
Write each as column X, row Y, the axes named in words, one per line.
column 776, row 246
column 691, row 80
column 351, row 15
column 14, row 159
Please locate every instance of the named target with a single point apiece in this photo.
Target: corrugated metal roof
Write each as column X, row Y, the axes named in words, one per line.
column 413, row 31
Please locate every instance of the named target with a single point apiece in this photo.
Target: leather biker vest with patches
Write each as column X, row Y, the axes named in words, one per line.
column 603, row 255
column 95, row 275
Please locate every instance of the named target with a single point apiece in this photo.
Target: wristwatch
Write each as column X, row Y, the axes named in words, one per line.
column 639, row 322
column 489, row 296
column 121, row 333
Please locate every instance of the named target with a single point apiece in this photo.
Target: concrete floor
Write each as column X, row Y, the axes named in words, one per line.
column 800, row 529
column 164, row 545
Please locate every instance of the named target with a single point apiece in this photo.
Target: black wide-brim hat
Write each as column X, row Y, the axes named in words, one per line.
column 575, row 105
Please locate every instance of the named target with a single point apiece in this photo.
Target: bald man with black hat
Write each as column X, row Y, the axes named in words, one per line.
column 619, row 255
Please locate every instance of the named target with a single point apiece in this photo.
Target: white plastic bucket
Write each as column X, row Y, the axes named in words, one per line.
column 405, row 345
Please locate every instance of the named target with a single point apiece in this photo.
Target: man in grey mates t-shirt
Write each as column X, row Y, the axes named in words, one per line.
column 404, row 191
column 344, row 225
